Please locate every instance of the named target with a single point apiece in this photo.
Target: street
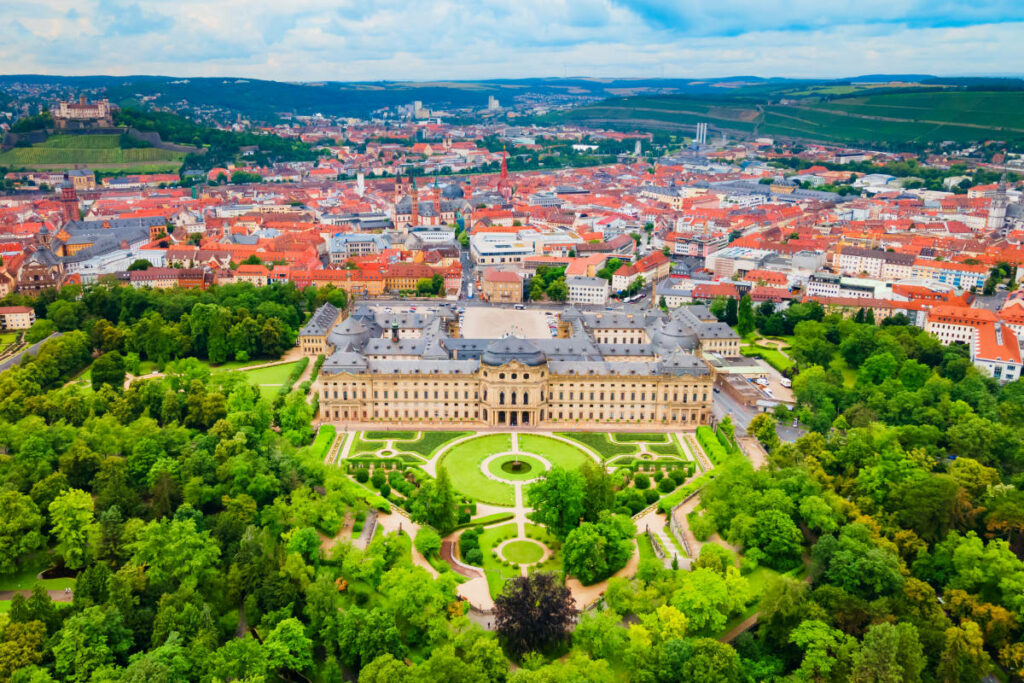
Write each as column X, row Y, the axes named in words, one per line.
column 723, row 405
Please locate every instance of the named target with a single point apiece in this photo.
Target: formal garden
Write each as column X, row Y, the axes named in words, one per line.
column 505, row 487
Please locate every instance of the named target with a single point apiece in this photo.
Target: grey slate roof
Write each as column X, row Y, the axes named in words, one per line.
column 321, row 320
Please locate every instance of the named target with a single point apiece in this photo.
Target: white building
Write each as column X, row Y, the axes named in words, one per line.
column 996, row 352
column 592, row 291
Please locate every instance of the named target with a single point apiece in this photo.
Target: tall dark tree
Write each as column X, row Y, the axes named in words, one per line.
column 534, row 612
column 745, row 316
column 731, row 312
column 108, row 369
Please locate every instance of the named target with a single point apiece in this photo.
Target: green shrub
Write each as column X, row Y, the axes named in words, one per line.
column 659, row 475
column 385, row 490
column 709, row 442
column 651, row 496
column 427, row 542
column 666, row 485
column 378, row 478
column 641, row 481
column 679, row 475
column 362, row 475
column 701, row 526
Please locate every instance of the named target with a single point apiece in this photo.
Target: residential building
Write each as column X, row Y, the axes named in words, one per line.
column 16, row 317
column 501, row 286
column 588, row 291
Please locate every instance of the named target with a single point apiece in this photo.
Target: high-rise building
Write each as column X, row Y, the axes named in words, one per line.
column 492, row 103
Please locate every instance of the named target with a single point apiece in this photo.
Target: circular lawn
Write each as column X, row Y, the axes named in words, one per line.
column 521, row 467
column 522, row 552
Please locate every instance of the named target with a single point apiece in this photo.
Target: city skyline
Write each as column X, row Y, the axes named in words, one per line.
column 313, row 40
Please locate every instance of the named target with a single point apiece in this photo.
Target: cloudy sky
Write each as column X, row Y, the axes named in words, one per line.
column 309, row 40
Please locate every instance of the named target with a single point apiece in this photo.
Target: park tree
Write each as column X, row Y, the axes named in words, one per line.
column 21, row 646
column 889, row 653
column 598, row 490
column 534, row 612
column 288, row 648
column 826, row 651
column 594, row 551
column 731, row 312
column 108, row 370
column 71, row 515
column 745, row 316
column 762, row 427
column 558, row 290
column 94, row 638
column 435, row 503
column 20, row 529
column 557, row 500
column 708, row 599
column 599, row 634
column 964, row 657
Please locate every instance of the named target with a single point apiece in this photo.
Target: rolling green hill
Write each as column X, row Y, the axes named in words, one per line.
column 95, row 151
column 890, row 117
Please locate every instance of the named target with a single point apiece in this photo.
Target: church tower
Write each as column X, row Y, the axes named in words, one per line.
column 68, row 202
column 414, row 194
column 997, row 209
column 504, row 188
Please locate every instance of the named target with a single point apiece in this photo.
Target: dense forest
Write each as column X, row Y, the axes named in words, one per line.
column 196, row 514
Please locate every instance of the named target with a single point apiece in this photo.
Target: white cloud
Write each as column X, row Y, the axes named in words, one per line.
column 456, row 39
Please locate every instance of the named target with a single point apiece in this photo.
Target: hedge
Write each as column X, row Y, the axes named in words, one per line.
column 670, row 501
column 728, row 443
column 294, row 376
column 709, row 442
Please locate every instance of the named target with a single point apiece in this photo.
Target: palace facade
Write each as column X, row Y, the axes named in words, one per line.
column 643, row 368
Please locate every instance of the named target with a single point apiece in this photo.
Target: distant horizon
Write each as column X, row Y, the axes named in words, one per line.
column 391, row 40
column 695, row 79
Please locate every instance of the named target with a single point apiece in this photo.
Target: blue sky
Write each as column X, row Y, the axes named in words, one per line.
column 313, row 40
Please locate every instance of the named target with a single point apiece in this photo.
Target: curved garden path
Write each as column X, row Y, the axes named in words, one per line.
column 476, row 589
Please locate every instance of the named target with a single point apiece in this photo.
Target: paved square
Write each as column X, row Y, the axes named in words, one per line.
column 490, row 323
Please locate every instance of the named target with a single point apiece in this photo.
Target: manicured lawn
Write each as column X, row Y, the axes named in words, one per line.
column 530, row 467
column 430, row 442
column 383, row 436
column 273, row 375
column 522, row 552
column 495, row 571
column 463, row 465
column 643, row 542
column 849, row 374
column 664, row 449
column 26, row 578
column 601, row 444
column 491, row 519
column 773, row 357
column 633, row 438
column 324, row 439
column 553, row 563
column 558, row 453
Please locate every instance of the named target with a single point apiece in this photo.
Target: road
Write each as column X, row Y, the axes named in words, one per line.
column 724, row 405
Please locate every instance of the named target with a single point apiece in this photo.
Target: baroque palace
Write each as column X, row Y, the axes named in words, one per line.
column 643, row 368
